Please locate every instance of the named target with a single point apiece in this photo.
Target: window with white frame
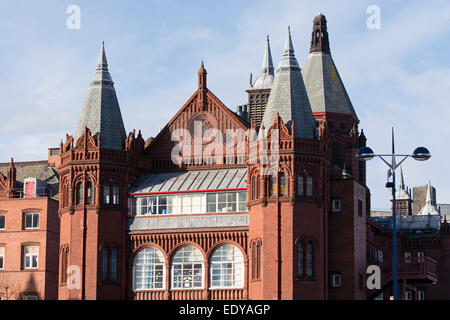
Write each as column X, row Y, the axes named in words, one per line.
column 2, row 221
column 149, row 269
column 116, row 194
column 2, row 258
column 336, row 205
column 191, row 203
column 31, row 220
column 31, row 254
column 420, row 256
column 421, row 295
column 187, row 268
column 407, row 257
column 408, row 295
column 227, row 267
column 336, row 280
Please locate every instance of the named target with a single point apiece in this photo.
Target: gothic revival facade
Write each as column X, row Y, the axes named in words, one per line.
column 204, row 211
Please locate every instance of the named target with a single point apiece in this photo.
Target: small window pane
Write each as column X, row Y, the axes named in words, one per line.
column 2, row 221
column 300, row 186
column 106, row 193
column 105, row 264
column 114, row 264
column 116, row 194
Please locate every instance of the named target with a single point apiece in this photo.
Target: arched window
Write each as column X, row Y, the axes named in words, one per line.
column 300, row 186
column 106, row 193
column 89, row 192
column 116, row 192
column 300, row 260
column 148, row 269
column 227, row 267
column 79, row 193
column 64, row 263
column 256, row 260
column 283, row 184
column 272, row 185
column 309, row 186
column 187, row 268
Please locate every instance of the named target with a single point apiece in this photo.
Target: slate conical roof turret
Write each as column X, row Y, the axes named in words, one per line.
column 288, row 97
column 325, row 88
column 101, row 111
column 265, row 80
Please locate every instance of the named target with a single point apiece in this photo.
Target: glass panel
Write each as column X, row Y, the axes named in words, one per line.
column 28, row 220
column 116, row 192
column 309, row 262
column 106, row 193
column 187, row 268
column 148, row 269
column 309, row 186
column 221, row 202
column 162, row 205
column 2, row 221
column 211, row 199
column 300, row 185
column 300, row 257
column 226, row 267
column 35, row 220
column 283, row 184
column 242, row 204
column 114, row 264
column 105, row 264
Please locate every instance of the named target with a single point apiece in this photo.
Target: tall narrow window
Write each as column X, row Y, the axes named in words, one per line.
column 2, row 258
column 64, row 265
column 283, row 184
column 256, row 260
column 300, row 186
column 89, row 192
column 116, row 194
column 272, row 185
column 105, row 263
column 106, row 193
column 256, row 186
column 309, row 186
column 114, row 264
column 300, row 259
column 80, row 193
column 65, row 195
column 2, row 221
column 309, row 260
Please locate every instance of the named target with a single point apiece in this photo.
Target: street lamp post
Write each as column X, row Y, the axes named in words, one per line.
column 419, row 154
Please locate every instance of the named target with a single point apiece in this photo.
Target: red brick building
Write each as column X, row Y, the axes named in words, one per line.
column 219, row 205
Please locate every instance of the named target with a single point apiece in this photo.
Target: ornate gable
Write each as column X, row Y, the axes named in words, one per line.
column 199, row 116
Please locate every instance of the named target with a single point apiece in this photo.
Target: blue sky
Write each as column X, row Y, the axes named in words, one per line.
column 396, row 76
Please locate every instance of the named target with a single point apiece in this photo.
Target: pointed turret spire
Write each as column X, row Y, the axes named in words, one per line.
column 401, row 193
column 401, row 183
column 325, row 88
column 429, row 208
column 101, row 111
column 288, row 97
column 267, row 65
column 265, row 80
column 202, row 77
